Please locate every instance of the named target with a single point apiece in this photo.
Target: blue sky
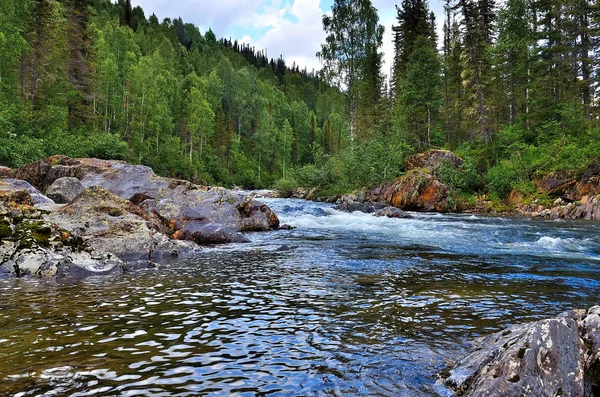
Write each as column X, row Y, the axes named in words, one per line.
column 291, row 28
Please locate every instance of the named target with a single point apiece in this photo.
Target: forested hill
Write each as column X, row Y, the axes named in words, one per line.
column 511, row 86
column 93, row 78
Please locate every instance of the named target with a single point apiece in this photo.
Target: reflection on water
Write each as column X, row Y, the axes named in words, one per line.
column 344, row 305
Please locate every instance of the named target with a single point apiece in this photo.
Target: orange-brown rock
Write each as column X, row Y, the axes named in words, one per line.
column 432, row 160
column 6, row 172
column 417, row 190
column 570, row 184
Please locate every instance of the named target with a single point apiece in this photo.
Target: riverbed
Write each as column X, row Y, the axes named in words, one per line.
column 343, row 305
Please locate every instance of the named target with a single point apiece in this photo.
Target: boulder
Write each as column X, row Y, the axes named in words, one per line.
column 357, row 201
column 32, row 246
column 112, row 224
column 170, row 203
column 417, row 190
column 554, row 357
column 21, row 192
column 432, row 160
column 64, row 190
column 392, row 212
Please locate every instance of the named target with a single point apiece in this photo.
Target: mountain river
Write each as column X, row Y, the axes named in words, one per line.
column 343, row 305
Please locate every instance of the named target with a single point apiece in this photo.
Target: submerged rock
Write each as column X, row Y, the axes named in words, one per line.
column 64, row 190
column 554, row 357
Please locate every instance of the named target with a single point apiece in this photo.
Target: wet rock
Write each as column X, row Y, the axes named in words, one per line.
column 64, row 190
column 553, row 357
column 392, row 212
column 286, row 227
column 357, row 202
column 209, row 233
column 367, row 208
column 417, row 190
column 21, row 192
column 32, row 246
column 432, row 160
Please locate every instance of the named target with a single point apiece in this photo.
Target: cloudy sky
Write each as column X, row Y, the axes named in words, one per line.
column 291, row 28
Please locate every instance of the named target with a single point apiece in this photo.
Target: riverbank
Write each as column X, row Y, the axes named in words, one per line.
column 560, row 195
column 117, row 213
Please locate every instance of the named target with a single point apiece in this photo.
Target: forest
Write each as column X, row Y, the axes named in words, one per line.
column 511, row 87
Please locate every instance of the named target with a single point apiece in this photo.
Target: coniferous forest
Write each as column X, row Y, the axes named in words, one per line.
column 510, row 87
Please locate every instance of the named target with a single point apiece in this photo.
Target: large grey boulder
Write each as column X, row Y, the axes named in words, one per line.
column 64, row 190
column 113, row 224
column 170, row 201
column 32, row 246
column 555, row 357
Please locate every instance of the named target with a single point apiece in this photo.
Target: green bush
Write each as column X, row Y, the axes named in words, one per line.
column 285, row 187
column 501, row 178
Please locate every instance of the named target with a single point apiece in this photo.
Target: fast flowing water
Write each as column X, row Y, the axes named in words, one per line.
column 344, row 305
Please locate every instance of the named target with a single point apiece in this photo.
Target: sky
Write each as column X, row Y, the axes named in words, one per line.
column 292, row 28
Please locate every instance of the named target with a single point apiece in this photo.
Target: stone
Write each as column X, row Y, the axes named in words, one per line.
column 64, row 190
column 392, row 212
column 167, row 202
column 432, row 160
column 417, row 190
column 113, row 224
column 21, row 192
column 553, row 357
column 36, row 247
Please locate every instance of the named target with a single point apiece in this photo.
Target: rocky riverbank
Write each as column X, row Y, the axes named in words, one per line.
column 115, row 212
column 568, row 195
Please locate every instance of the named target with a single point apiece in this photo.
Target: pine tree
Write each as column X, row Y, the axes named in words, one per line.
column 352, row 30
column 413, row 22
column 80, row 65
column 476, row 70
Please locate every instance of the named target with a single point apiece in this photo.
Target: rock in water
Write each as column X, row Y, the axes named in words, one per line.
column 64, row 190
column 554, row 357
column 171, row 204
column 392, row 212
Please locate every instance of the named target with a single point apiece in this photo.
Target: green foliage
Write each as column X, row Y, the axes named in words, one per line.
column 464, row 179
column 285, row 187
column 501, row 178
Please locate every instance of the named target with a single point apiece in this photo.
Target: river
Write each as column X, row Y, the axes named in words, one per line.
column 343, row 305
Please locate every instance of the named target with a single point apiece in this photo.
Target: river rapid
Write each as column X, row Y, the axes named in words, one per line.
column 343, row 305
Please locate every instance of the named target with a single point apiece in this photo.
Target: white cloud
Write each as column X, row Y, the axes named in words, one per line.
column 299, row 40
column 221, row 16
column 292, row 28
column 388, row 45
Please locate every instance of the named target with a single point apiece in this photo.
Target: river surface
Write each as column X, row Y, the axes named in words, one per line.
column 343, row 305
